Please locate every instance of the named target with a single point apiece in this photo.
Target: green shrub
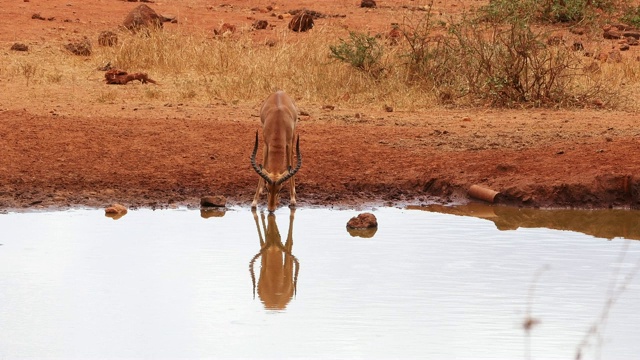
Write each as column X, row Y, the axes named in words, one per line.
column 552, row 11
column 514, row 65
column 429, row 58
column 502, row 65
column 505, row 10
column 361, row 51
column 632, row 16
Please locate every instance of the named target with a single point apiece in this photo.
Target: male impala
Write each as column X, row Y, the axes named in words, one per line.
column 278, row 116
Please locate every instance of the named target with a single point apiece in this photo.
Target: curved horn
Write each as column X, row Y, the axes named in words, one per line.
column 257, row 168
column 298, row 165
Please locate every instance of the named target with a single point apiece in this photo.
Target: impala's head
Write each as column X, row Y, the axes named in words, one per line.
column 274, row 181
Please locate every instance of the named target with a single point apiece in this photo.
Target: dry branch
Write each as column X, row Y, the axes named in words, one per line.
column 119, row 77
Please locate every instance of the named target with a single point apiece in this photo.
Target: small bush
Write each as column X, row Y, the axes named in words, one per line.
column 514, row 65
column 431, row 60
column 107, row 97
column 632, row 16
column 497, row 64
column 152, row 93
column 505, row 10
column 551, row 11
column 54, row 78
column 28, row 70
column 361, row 51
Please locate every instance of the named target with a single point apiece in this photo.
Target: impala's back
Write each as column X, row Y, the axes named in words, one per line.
column 278, row 116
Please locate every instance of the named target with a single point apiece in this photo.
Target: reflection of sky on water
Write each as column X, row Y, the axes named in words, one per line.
column 163, row 284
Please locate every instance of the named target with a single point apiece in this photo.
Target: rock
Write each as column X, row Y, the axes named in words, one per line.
column 363, row 221
column 115, row 211
column 213, row 201
column 555, row 40
column 395, row 35
column 105, row 67
column 632, row 41
column 368, row 4
column 107, row 38
column 81, row 47
column 598, row 103
column 624, row 47
column 612, row 34
column 577, row 30
column 303, row 21
column 615, row 56
column 618, row 26
column 19, row 47
column 577, row 46
column 632, row 34
column 602, row 56
column 225, row 29
column 260, row 10
column 260, row 24
column 364, row 225
column 142, row 17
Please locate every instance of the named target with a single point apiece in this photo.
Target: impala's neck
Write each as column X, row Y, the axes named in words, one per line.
column 278, row 121
column 276, row 162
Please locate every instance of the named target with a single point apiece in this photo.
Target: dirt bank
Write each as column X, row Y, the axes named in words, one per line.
column 541, row 158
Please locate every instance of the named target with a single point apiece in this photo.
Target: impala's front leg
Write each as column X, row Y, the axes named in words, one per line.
column 254, row 204
column 292, row 181
column 260, row 188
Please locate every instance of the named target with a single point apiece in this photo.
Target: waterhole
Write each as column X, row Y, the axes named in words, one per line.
column 467, row 282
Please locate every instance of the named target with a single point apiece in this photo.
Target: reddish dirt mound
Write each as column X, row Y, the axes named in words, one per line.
column 534, row 159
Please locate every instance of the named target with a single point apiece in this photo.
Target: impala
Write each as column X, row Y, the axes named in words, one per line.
column 279, row 268
column 278, row 117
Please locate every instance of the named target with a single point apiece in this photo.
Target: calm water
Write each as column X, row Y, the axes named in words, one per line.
column 429, row 285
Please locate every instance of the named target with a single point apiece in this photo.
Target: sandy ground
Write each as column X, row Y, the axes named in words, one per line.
column 59, row 155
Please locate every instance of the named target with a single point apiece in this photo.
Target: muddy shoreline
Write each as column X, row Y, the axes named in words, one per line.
column 58, row 162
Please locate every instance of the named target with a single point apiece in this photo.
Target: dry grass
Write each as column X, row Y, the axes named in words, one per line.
column 200, row 69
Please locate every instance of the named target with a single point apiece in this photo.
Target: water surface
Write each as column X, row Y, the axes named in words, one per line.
column 173, row 284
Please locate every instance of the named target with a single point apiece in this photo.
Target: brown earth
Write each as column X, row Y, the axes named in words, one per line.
column 63, row 155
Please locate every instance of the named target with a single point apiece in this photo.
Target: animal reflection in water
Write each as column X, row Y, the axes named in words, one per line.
column 278, row 267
